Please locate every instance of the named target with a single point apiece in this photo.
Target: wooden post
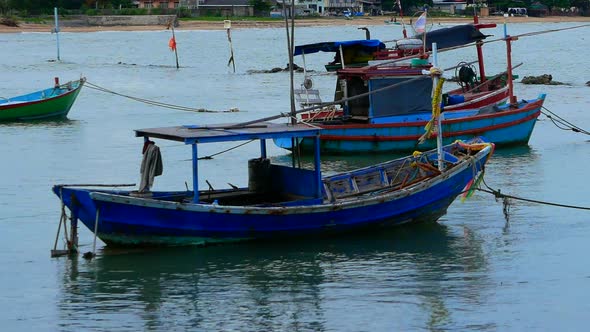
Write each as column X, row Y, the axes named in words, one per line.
column 172, row 42
column 438, row 120
column 73, row 242
column 175, row 46
column 195, row 174
column 227, row 26
column 478, row 46
column 317, row 166
column 508, row 40
column 95, row 231
column 56, row 30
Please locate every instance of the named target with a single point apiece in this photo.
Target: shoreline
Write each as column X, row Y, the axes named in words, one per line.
column 308, row 22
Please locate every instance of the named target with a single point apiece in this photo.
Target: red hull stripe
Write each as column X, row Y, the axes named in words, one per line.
column 475, row 131
column 525, row 109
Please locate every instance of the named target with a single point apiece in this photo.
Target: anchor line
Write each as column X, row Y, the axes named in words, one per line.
column 498, row 194
column 152, row 102
column 563, row 124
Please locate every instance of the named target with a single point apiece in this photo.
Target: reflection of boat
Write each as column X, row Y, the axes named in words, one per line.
column 280, row 201
column 275, row 277
column 50, row 103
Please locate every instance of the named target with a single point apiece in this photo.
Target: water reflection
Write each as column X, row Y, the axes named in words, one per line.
column 51, row 123
column 276, row 286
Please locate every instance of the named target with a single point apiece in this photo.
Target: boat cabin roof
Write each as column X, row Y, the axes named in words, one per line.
column 367, row 44
column 211, row 133
column 455, row 36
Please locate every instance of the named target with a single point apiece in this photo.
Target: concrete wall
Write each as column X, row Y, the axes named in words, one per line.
column 131, row 20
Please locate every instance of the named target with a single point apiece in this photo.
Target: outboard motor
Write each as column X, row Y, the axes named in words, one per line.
column 467, row 76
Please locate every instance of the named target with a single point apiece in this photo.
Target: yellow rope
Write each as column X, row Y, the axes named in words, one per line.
column 436, row 99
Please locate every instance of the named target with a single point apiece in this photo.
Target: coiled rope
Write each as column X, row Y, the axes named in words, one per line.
column 561, row 123
column 156, row 103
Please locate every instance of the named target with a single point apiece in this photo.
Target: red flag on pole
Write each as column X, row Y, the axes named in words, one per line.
column 172, row 44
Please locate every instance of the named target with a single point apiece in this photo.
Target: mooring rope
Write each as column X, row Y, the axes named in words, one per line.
column 563, row 124
column 499, row 195
column 155, row 103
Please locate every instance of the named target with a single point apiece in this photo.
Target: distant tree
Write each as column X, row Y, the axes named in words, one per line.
column 388, row 5
column 4, row 7
column 584, row 5
column 557, row 3
column 33, row 6
column 259, row 5
column 98, row 3
column 122, row 3
column 71, row 4
column 409, row 7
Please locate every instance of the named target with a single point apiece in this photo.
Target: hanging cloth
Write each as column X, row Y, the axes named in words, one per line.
column 151, row 166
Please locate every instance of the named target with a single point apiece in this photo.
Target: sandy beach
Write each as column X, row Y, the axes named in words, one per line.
column 307, row 22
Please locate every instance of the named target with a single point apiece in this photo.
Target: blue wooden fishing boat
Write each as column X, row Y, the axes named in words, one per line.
column 279, row 200
column 51, row 103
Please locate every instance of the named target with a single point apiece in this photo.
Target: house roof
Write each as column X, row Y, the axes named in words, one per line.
column 226, row 3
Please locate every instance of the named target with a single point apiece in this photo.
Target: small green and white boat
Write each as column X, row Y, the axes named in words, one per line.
column 51, row 103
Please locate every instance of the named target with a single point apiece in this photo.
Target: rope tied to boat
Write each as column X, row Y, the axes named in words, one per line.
column 157, row 103
column 561, row 123
column 507, row 199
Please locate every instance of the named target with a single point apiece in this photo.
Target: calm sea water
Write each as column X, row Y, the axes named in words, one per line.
column 473, row 271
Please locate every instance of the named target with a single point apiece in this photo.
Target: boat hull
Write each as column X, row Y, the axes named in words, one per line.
column 504, row 127
column 51, row 103
column 130, row 221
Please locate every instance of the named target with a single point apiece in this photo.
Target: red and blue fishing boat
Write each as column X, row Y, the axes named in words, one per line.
column 51, row 103
column 385, row 107
column 279, row 200
column 406, row 60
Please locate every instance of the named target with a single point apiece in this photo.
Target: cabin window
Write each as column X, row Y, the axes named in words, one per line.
column 411, row 97
column 358, row 107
